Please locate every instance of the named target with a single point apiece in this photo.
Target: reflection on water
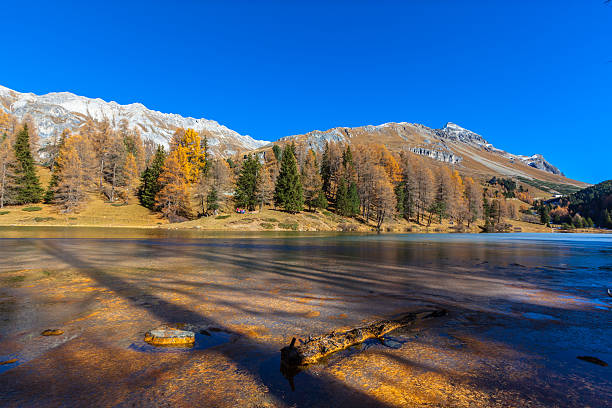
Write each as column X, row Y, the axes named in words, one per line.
column 522, row 307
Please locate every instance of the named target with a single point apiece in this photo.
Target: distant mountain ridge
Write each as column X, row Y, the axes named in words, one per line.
column 56, row 111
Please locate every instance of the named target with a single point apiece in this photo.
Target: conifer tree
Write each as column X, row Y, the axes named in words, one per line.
column 27, row 186
column 212, row 200
column 342, row 199
column 246, row 186
column 68, row 192
column 288, row 191
column 353, row 199
column 277, row 152
column 321, row 200
column 49, row 193
column 7, row 164
column 173, row 198
column 326, row 170
column 150, row 185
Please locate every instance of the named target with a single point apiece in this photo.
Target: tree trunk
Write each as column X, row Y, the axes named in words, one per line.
column 2, row 185
column 112, row 197
column 101, row 172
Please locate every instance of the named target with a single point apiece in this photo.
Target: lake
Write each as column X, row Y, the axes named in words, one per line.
column 521, row 309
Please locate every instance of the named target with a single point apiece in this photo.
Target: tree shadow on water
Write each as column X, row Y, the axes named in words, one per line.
column 260, row 361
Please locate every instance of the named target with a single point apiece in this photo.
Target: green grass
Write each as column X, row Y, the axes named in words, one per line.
column 221, row 217
column 267, row 225
column 43, row 219
column 119, row 204
column 4, row 212
column 269, row 219
column 311, row 216
column 288, row 226
column 564, row 189
column 30, row 209
column 329, row 214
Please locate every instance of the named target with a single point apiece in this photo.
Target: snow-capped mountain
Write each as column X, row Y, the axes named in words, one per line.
column 56, row 111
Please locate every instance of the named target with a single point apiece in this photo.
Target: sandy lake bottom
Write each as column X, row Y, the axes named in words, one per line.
column 521, row 309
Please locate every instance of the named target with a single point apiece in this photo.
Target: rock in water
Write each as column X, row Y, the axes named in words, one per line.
column 593, row 360
column 52, row 332
column 165, row 336
column 11, row 361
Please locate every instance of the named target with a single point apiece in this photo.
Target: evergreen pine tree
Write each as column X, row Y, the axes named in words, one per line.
column 246, row 186
column 212, row 200
column 326, row 170
column 27, row 186
column 288, row 191
column 277, row 152
column 320, row 201
column 353, row 199
column 343, row 206
column 149, row 184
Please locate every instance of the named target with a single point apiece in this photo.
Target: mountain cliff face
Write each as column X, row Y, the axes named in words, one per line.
column 451, row 144
column 56, row 111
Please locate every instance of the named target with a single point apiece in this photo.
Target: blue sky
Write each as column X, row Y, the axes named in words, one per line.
column 530, row 76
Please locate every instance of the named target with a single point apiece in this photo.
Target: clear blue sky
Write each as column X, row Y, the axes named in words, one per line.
column 530, row 76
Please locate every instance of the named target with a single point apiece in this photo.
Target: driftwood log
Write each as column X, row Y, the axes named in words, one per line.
column 311, row 350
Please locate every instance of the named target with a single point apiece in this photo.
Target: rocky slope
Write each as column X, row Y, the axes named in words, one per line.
column 451, row 144
column 57, row 111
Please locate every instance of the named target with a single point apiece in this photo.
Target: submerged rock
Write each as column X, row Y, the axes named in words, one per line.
column 52, row 332
column 166, row 336
column 594, row 360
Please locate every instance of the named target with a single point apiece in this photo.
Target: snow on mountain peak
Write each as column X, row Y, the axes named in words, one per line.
column 56, row 111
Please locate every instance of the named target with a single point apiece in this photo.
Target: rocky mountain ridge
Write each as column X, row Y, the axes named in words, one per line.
column 56, row 111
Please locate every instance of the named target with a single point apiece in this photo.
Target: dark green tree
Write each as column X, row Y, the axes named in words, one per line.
column 149, row 181
column 343, row 206
column 347, row 157
column 246, row 186
column 326, row 170
column 27, row 187
column 544, row 212
column 288, row 190
column 320, row 201
column 212, row 200
column 277, row 152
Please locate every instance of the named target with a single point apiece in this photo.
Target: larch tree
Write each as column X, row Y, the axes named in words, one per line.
column 7, row 165
column 115, row 173
column 288, row 193
column 191, row 153
column 26, row 183
column 68, row 193
column 265, row 187
column 425, row 190
column 384, row 196
column 312, row 183
column 173, row 199
column 473, row 199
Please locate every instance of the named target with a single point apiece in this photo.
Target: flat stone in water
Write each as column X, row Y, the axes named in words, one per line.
column 170, row 337
column 52, row 332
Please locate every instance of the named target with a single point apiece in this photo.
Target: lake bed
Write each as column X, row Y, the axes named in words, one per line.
column 521, row 309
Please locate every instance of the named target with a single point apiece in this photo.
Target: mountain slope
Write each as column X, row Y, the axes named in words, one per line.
column 451, row 144
column 56, row 111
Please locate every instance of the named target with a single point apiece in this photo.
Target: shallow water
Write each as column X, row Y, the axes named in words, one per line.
column 522, row 308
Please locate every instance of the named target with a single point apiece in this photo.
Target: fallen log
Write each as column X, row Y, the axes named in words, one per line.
column 311, row 350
